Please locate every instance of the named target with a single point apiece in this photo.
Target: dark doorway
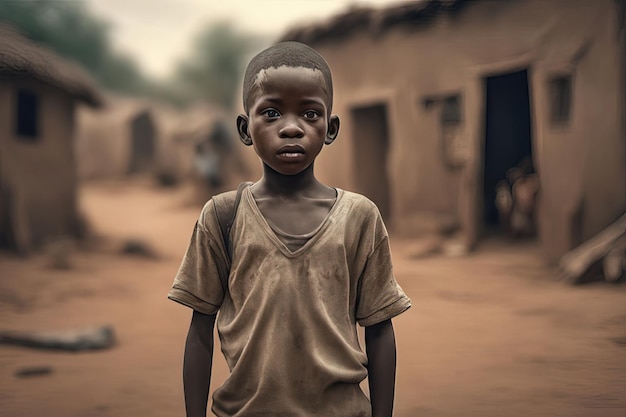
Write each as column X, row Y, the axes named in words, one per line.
column 7, row 234
column 142, row 144
column 508, row 141
column 371, row 147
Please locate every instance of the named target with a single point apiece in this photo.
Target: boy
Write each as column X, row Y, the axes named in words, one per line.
column 308, row 262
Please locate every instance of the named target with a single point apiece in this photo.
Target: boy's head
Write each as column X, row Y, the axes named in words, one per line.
column 289, row 54
column 287, row 97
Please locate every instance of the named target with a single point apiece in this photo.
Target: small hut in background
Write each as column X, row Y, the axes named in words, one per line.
column 119, row 140
column 439, row 99
column 39, row 95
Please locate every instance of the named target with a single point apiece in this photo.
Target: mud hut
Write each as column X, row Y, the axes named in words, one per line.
column 439, row 98
column 118, row 140
column 39, row 93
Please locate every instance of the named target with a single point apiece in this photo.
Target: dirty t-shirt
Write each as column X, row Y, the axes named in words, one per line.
column 287, row 319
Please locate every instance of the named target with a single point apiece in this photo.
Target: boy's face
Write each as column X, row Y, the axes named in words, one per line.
column 288, row 121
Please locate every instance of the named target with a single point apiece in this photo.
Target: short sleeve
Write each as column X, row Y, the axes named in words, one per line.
column 199, row 282
column 379, row 295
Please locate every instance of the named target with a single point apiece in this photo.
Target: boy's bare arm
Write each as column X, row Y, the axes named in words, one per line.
column 380, row 344
column 198, row 363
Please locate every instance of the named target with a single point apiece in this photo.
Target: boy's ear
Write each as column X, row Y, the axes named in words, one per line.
column 333, row 129
column 243, row 130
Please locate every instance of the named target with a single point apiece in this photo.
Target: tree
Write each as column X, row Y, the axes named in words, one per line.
column 214, row 69
column 68, row 28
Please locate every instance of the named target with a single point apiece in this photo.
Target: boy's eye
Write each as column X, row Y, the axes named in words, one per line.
column 271, row 113
column 311, row 114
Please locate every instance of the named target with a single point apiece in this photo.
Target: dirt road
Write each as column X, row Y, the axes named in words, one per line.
column 493, row 334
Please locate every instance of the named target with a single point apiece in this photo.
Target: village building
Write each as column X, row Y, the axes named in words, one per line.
column 194, row 127
column 438, row 100
column 120, row 139
column 136, row 136
column 39, row 94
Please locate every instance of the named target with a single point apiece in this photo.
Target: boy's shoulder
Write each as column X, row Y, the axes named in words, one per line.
column 220, row 209
column 360, row 203
column 357, row 198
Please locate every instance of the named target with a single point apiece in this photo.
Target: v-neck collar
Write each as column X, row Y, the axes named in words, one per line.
column 274, row 238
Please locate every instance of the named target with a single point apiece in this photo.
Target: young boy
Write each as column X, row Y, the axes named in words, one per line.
column 308, row 262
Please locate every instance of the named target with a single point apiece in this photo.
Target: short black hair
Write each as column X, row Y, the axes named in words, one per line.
column 290, row 54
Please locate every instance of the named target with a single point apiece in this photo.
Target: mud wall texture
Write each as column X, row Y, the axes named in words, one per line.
column 435, row 160
column 37, row 173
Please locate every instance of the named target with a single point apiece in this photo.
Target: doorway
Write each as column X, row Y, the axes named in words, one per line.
column 7, row 234
column 508, row 136
column 371, row 148
column 143, row 140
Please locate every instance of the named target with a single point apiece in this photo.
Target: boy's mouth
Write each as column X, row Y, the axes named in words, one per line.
column 291, row 151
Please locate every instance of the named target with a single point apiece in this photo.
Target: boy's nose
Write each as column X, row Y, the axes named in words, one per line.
column 291, row 129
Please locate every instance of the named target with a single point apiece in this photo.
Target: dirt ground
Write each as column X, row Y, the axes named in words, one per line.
column 492, row 334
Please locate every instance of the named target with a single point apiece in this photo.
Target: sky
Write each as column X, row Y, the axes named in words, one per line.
column 157, row 33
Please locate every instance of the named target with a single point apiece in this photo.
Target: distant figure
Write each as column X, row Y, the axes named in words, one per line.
column 516, row 199
column 504, row 205
column 288, row 270
column 526, row 165
column 525, row 190
column 207, row 164
column 513, row 174
column 211, row 154
column 220, row 138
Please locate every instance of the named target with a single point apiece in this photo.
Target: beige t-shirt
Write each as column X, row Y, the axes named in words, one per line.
column 287, row 319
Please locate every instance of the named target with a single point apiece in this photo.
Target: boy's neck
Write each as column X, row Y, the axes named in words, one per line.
column 275, row 184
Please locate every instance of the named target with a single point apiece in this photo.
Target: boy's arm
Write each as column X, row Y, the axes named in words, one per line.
column 198, row 363
column 380, row 345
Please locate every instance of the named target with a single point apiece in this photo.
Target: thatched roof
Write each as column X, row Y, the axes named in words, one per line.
column 21, row 56
column 371, row 20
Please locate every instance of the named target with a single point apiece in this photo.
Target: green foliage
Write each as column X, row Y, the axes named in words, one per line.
column 214, row 70
column 68, row 28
